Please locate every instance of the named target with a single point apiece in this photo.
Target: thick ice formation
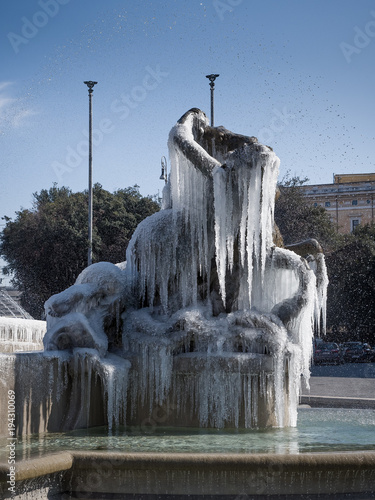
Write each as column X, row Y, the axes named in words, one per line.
column 61, row 390
column 217, row 322
column 220, row 217
column 88, row 313
column 18, row 334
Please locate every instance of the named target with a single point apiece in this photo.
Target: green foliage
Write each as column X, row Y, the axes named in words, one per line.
column 298, row 220
column 351, row 291
column 46, row 247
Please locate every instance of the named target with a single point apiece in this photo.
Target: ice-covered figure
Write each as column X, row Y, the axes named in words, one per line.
column 87, row 314
column 217, row 321
column 214, row 243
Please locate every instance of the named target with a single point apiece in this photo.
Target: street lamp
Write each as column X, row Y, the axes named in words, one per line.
column 164, row 172
column 90, row 86
column 212, row 79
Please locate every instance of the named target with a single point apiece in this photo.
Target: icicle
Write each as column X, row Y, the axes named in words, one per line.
column 220, row 197
column 321, row 291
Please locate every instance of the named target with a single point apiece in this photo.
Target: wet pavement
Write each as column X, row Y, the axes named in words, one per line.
column 348, row 385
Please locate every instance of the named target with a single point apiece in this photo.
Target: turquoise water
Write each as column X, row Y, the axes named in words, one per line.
column 318, row 430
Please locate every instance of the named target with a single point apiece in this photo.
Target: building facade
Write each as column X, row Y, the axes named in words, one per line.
column 349, row 201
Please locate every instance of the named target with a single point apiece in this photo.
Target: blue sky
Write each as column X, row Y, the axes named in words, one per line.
column 298, row 74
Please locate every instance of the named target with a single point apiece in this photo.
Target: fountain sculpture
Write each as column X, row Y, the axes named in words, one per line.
column 207, row 318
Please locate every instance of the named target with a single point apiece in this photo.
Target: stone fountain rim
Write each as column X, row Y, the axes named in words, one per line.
column 152, row 472
column 55, row 462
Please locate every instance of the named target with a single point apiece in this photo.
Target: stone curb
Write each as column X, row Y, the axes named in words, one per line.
column 65, row 460
column 39, row 466
column 337, row 402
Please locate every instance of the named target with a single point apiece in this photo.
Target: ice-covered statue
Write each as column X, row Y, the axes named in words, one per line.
column 215, row 319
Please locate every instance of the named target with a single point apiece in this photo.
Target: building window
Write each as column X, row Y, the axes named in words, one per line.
column 368, row 202
column 354, row 224
column 327, row 203
column 354, row 202
column 315, row 204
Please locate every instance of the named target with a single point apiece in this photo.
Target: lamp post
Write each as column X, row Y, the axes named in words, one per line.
column 212, row 79
column 90, row 86
column 164, row 172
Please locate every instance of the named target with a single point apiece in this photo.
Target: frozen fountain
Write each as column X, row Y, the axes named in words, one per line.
column 207, row 319
column 208, row 324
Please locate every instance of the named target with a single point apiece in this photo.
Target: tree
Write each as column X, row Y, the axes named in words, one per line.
column 351, row 291
column 298, row 220
column 46, row 246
